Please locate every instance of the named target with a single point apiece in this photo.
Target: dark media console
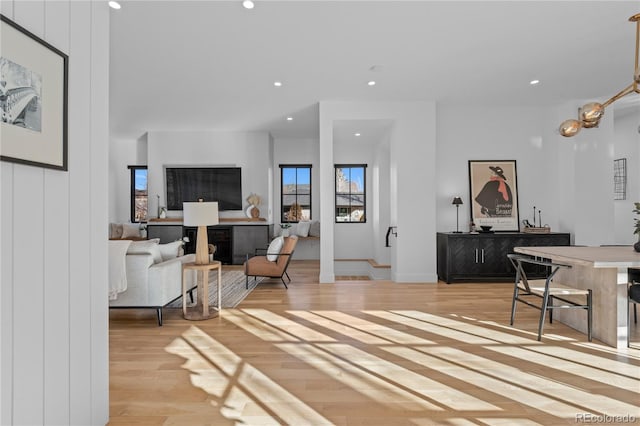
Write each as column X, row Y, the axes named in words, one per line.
column 233, row 241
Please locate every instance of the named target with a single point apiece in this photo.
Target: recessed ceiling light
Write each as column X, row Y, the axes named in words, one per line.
column 248, row 4
column 114, row 5
column 289, row 118
column 277, row 83
column 356, row 134
column 371, row 83
column 534, row 82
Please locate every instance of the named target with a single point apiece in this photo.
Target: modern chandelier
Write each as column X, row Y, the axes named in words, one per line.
column 590, row 114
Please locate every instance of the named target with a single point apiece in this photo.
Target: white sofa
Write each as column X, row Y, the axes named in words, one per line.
column 151, row 283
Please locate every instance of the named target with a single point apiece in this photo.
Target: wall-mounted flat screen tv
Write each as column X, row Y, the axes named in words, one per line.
column 187, row 184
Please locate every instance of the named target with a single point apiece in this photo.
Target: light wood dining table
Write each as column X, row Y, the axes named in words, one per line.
column 602, row 269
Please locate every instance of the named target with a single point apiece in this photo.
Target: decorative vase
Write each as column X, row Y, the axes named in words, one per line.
column 636, row 246
column 255, row 212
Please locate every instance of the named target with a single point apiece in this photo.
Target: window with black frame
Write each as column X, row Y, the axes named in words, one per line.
column 351, row 193
column 295, row 190
column 139, row 194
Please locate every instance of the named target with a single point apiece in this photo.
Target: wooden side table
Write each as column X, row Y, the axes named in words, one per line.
column 201, row 311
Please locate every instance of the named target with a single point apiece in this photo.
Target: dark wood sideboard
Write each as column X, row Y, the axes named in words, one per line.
column 483, row 256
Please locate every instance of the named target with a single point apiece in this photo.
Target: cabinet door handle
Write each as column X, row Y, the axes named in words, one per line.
column 476, row 255
column 482, row 255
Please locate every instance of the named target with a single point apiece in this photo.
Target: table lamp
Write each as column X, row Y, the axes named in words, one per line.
column 456, row 202
column 201, row 214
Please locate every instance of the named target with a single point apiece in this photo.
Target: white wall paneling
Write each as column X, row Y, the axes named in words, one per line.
column 28, row 269
column 80, row 183
column 98, row 211
column 6, row 276
column 53, row 335
column 56, row 263
column 6, row 292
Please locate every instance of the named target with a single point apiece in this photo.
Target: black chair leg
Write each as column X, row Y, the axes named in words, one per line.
column 191, row 295
column 159, row 313
column 285, row 272
column 635, row 314
column 513, row 304
column 550, row 309
column 285, row 284
column 246, row 281
column 543, row 313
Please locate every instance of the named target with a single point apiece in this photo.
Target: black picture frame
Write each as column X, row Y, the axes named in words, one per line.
column 493, row 194
column 34, row 94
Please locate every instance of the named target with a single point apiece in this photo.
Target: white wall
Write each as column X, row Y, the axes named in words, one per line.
column 122, row 154
column 381, row 201
column 54, row 321
column 296, row 151
column 627, row 145
column 569, row 179
column 583, row 186
column 493, row 133
column 249, row 150
column 355, row 240
column 412, row 150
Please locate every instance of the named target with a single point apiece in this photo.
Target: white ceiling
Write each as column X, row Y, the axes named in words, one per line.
column 210, row 65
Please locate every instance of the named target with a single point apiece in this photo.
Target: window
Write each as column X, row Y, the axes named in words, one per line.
column 295, row 192
column 351, row 192
column 139, row 195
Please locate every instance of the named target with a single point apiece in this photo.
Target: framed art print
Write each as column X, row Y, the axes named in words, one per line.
column 493, row 187
column 33, row 99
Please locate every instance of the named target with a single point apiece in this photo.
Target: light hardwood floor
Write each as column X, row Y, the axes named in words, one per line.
column 365, row 353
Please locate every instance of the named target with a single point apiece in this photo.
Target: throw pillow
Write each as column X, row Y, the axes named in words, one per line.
column 170, row 250
column 274, row 249
column 115, row 230
column 302, row 230
column 130, row 230
column 314, row 229
column 146, row 247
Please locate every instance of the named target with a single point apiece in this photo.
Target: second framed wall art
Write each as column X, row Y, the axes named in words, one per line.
column 493, row 187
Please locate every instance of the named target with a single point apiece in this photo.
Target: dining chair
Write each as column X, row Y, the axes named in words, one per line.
column 548, row 290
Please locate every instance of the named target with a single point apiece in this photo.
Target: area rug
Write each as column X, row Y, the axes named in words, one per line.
column 233, row 290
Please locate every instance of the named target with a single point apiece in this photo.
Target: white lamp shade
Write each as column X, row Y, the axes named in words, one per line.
column 200, row 213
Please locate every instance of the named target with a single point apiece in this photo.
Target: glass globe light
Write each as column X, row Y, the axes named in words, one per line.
column 570, row 128
column 591, row 112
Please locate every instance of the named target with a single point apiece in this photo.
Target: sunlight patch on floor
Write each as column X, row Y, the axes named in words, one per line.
column 339, row 328
column 243, row 393
column 382, row 331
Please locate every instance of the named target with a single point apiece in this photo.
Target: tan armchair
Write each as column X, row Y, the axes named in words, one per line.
column 259, row 266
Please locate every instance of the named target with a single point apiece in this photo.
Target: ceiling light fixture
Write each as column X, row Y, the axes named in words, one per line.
column 277, row 83
column 371, row 83
column 248, row 4
column 356, row 134
column 289, row 118
column 534, row 82
column 114, row 5
column 590, row 114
